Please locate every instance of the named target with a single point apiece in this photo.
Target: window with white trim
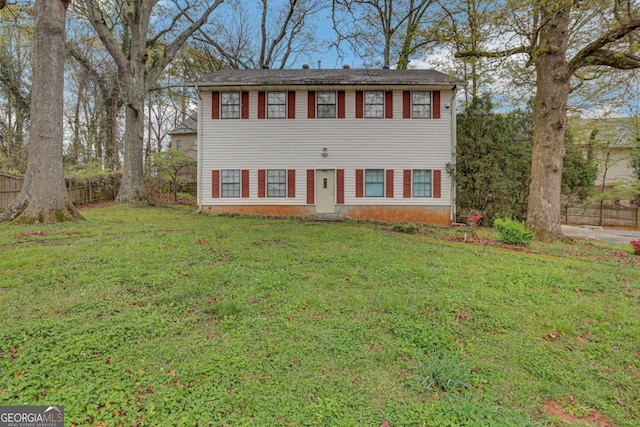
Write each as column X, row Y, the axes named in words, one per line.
column 374, row 182
column 421, row 183
column 421, row 105
column 230, row 105
column 276, row 105
column 276, row 183
column 230, row 183
column 178, row 145
column 374, row 104
column 326, row 105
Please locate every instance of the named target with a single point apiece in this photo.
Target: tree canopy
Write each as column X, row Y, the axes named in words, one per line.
column 564, row 42
column 128, row 62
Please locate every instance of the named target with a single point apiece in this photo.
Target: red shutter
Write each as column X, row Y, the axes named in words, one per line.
column 291, row 183
column 389, row 183
column 311, row 186
column 215, row 105
column 215, row 184
column 262, row 105
column 245, row 183
column 359, row 182
column 341, row 104
column 406, row 104
column 359, row 104
column 245, row 105
column 437, row 183
column 291, row 104
column 388, row 104
column 311, row 104
column 406, row 183
column 262, row 177
column 340, row 186
column 436, row 104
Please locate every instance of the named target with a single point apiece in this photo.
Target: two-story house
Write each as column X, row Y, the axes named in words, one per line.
column 184, row 137
column 346, row 143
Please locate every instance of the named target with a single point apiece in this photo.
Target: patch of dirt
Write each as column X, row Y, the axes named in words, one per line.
column 30, row 234
column 557, row 410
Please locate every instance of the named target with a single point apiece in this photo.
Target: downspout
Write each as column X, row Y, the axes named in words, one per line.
column 199, row 150
column 454, row 143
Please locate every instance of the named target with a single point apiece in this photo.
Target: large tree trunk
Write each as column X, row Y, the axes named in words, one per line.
column 44, row 197
column 130, row 57
column 132, row 171
column 549, row 122
column 108, row 128
column 132, row 185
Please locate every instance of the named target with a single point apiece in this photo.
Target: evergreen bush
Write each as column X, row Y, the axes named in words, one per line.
column 513, row 232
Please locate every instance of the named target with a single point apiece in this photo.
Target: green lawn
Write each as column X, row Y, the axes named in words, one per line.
column 158, row 317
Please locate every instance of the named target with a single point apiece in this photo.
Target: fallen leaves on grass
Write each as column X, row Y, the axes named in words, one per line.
column 552, row 335
column 580, row 250
column 30, row 234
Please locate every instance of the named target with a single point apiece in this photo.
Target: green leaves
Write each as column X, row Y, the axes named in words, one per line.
column 493, row 161
column 513, row 232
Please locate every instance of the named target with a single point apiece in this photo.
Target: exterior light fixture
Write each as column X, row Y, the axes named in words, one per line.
column 325, row 152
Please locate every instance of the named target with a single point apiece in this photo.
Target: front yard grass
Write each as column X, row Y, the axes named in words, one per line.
column 158, row 317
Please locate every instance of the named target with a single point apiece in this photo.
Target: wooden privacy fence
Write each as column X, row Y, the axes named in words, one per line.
column 80, row 193
column 92, row 192
column 613, row 216
column 9, row 189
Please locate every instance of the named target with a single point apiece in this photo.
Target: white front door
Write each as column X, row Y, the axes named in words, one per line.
column 325, row 191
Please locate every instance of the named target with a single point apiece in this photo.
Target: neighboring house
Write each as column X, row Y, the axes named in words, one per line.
column 346, row 143
column 184, row 138
column 613, row 142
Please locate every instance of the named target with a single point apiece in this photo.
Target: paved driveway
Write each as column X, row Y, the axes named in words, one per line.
column 602, row 234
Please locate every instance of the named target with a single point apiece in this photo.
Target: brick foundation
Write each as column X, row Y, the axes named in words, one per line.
column 437, row 215
column 266, row 210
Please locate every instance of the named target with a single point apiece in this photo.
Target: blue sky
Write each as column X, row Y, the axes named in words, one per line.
column 327, row 56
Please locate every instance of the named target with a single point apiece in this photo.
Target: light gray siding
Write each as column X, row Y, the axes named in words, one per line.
column 352, row 144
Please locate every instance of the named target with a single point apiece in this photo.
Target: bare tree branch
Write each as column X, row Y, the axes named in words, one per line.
column 11, row 82
column 263, row 33
column 233, row 58
column 612, row 59
column 87, row 65
column 383, row 27
column 283, row 32
column 595, row 48
column 266, row 37
column 99, row 23
column 169, row 53
column 495, row 54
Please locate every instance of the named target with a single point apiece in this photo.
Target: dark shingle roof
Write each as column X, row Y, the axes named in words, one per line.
column 189, row 125
column 269, row 77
